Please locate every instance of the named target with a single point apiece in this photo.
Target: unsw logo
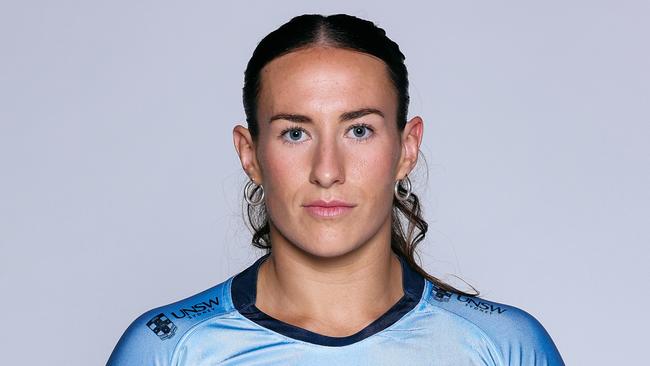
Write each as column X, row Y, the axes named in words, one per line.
column 472, row 302
column 442, row 295
column 162, row 326
column 197, row 309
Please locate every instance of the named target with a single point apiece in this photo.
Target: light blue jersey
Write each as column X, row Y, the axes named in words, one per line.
column 427, row 326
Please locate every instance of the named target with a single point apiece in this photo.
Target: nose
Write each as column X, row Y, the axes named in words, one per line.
column 327, row 166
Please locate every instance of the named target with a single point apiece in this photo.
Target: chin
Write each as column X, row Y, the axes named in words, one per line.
column 319, row 242
column 328, row 250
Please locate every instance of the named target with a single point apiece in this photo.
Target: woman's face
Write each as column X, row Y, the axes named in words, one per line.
column 328, row 136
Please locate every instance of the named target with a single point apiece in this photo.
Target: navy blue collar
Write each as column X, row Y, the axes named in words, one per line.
column 243, row 292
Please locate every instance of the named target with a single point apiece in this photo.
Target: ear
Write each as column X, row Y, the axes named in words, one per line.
column 246, row 150
column 411, row 140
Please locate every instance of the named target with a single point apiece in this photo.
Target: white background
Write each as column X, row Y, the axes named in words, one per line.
column 120, row 189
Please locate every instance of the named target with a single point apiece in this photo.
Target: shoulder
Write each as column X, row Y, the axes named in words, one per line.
column 152, row 337
column 517, row 336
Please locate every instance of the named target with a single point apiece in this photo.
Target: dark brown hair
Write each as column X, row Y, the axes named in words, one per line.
column 349, row 32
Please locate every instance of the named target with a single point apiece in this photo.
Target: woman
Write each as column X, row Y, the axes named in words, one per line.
column 328, row 151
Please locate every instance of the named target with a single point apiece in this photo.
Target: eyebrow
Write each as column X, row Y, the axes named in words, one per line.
column 347, row 116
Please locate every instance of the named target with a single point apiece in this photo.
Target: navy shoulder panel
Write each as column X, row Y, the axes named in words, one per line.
column 518, row 336
column 153, row 336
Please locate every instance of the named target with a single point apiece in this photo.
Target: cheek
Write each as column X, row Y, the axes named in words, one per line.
column 284, row 173
column 374, row 171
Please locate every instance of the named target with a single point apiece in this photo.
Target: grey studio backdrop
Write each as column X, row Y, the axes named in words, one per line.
column 120, row 188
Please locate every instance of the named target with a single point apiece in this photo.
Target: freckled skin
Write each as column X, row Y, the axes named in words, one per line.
column 328, row 161
column 306, row 151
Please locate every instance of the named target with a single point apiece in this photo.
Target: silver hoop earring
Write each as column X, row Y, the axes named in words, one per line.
column 407, row 187
column 248, row 194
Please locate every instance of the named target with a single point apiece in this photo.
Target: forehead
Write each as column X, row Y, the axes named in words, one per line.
column 325, row 79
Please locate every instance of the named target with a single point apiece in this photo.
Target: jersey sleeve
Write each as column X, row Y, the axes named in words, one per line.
column 525, row 342
column 153, row 338
column 147, row 341
column 514, row 337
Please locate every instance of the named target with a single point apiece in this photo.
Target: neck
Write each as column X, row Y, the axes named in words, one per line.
column 335, row 295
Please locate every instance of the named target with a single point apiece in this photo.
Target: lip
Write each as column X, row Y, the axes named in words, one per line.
column 331, row 203
column 328, row 209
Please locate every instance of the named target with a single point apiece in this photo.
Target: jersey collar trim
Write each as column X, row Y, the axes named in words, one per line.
column 243, row 292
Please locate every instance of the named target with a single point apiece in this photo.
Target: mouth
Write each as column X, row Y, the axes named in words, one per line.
column 328, row 209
